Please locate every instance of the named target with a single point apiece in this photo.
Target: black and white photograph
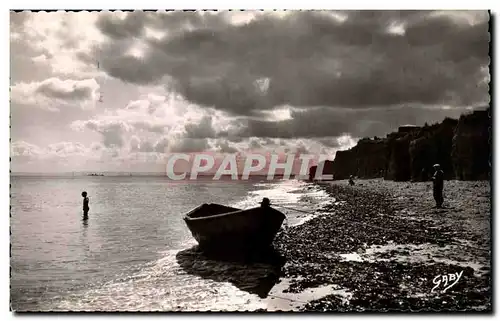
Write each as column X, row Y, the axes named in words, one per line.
column 294, row 161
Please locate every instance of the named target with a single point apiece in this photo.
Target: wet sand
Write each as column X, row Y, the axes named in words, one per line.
column 382, row 246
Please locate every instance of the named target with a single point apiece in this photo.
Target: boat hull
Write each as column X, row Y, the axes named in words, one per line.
column 217, row 227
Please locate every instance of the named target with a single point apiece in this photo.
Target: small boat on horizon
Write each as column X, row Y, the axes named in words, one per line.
column 223, row 228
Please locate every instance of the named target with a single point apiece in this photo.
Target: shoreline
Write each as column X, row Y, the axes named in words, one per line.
column 336, row 258
column 380, row 245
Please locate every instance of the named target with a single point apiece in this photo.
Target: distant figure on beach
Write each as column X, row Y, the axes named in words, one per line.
column 438, row 184
column 351, row 180
column 85, row 206
column 265, row 202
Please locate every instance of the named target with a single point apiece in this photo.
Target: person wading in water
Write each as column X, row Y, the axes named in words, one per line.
column 85, row 206
column 438, row 184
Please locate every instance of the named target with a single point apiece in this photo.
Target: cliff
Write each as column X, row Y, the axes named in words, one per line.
column 327, row 169
column 432, row 145
column 471, row 146
column 462, row 147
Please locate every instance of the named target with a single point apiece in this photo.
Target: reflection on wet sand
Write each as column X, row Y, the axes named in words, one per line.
column 256, row 273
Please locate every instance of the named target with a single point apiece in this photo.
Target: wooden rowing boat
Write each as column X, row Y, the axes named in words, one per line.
column 219, row 227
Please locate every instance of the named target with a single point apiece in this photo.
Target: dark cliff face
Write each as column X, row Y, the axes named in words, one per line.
column 432, row 145
column 399, row 159
column 462, row 148
column 367, row 159
column 327, row 170
column 471, row 146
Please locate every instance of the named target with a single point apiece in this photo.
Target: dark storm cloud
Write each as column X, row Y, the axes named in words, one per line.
column 311, row 59
column 114, row 27
column 324, row 124
column 329, row 122
column 135, row 23
column 310, row 123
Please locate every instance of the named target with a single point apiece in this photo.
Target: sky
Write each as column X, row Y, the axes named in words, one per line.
column 121, row 91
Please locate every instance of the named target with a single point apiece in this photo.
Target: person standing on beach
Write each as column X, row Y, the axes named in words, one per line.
column 85, row 206
column 438, row 184
column 265, row 202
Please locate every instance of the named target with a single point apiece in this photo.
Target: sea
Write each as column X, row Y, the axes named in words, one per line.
column 127, row 256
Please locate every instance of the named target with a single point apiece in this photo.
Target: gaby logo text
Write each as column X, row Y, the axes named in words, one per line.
column 182, row 166
column 446, row 280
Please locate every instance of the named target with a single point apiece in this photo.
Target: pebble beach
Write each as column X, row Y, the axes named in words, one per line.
column 382, row 246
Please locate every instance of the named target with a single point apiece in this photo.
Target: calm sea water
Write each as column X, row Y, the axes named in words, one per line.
column 126, row 256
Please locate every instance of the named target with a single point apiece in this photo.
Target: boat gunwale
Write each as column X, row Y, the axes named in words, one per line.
column 187, row 218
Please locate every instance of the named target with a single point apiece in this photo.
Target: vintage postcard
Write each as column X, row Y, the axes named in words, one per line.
column 252, row 161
